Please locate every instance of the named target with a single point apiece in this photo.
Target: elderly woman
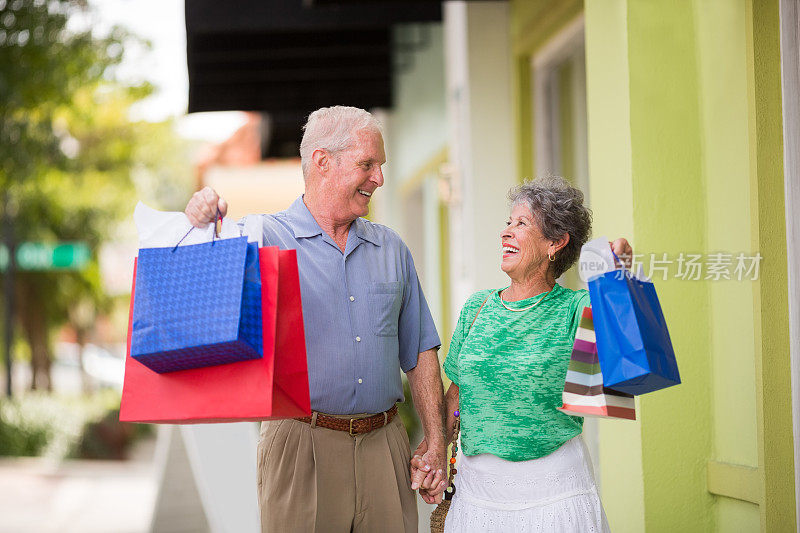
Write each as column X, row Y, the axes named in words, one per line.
column 523, row 466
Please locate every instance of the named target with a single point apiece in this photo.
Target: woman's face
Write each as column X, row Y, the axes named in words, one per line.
column 524, row 246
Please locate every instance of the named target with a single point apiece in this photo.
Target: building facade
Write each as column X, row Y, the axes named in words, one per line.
column 671, row 116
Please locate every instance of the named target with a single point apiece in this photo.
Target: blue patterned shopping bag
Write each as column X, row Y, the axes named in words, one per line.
column 633, row 344
column 197, row 305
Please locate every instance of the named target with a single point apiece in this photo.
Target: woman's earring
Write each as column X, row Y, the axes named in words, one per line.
column 551, row 257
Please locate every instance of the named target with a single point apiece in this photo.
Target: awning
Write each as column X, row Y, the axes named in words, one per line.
column 289, row 57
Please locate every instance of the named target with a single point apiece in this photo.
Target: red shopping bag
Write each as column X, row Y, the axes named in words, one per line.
column 274, row 386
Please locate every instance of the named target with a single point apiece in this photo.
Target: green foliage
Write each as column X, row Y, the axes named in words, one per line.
column 64, row 134
column 108, row 438
column 74, row 426
column 163, row 175
column 44, row 62
column 20, row 433
column 72, row 162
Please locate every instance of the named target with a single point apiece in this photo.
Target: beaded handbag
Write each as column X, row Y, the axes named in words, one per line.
column 439, row 514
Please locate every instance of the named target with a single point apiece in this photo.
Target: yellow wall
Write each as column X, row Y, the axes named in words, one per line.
column 669, row 209
column 611, row 189
column 773, row 385
column 684, row 116
column 722, row 67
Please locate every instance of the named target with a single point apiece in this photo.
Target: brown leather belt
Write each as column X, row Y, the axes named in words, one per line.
column 354, row 426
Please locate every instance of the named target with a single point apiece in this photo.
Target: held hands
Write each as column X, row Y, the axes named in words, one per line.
column 622, row 248
column 202, row 208
column 429, row 471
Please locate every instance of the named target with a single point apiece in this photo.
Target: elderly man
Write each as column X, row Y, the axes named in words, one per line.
column 346, row 468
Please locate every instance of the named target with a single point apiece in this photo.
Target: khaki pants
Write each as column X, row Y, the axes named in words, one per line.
column 320, row 480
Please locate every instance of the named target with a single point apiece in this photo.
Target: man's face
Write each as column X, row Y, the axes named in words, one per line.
column 355, row 174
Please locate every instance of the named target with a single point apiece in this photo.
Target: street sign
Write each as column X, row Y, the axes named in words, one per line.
column 48, row 256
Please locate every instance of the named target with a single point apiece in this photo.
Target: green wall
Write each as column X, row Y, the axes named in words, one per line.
column 611, row 190
column 722, row 67
column 685, row 156
column 669, row 210
column 773, row 383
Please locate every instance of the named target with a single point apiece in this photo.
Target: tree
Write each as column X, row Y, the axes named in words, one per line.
column 68, row 152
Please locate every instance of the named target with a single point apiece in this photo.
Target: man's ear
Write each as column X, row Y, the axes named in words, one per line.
column 321, row 159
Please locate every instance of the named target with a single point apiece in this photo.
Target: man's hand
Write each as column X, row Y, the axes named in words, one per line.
column 202, row 208
column 429, row 471
column 622, row 248
column 428, row 468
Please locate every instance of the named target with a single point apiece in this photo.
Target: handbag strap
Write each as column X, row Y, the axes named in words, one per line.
column 479, row 312
column 457, row 424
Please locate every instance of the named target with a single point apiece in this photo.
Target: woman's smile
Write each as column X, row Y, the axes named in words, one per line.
column 509, row 250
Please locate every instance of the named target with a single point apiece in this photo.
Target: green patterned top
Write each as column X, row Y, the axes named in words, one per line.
column 510, row 368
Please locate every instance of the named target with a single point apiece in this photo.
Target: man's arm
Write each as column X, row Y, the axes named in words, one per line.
column 426, row 387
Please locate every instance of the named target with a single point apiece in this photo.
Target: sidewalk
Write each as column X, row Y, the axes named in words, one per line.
column 88, row 496
column 78, row 496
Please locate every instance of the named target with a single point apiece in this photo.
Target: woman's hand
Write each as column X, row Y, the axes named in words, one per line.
column 202, row 208
column 622, row 248
column 429, row 472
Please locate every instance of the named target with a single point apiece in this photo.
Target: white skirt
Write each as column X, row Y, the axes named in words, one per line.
column 556, row 493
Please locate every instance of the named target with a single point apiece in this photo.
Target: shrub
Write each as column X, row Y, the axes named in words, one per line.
column 87, row 426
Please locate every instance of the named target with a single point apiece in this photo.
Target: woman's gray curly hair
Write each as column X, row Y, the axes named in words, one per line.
column 558, row 208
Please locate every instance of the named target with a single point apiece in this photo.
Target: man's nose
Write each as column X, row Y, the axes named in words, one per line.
column 377, row 177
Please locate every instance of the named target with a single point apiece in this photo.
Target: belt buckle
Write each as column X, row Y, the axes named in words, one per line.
column 351, row 427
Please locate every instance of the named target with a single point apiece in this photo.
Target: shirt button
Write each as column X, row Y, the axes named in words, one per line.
column 358, row 339
column 352, row 298
column 360, row 380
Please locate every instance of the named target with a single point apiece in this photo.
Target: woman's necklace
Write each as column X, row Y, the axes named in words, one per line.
column 537, row 302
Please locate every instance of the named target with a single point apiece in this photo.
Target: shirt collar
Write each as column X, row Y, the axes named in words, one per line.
column 304, row 225
column 301, row 220
column 365, row 231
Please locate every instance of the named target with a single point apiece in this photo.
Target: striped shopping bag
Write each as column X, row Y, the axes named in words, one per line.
column 584, row 393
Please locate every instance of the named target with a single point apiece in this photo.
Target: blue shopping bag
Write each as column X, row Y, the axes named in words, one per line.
column 633, row 343
column 197, row 305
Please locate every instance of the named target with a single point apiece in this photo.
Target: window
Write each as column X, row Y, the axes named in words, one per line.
column 559, row 85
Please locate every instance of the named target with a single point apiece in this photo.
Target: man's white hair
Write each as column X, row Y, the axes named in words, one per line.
column 333, row 129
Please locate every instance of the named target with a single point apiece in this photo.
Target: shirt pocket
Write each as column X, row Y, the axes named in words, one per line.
column 385, row 298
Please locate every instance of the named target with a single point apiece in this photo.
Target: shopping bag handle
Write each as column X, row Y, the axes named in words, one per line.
column 618, row 261
column 639, row 275
column 620, row 265
column 214, row 235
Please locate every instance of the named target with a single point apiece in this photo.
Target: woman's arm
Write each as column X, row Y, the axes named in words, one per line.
column 434, row 480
